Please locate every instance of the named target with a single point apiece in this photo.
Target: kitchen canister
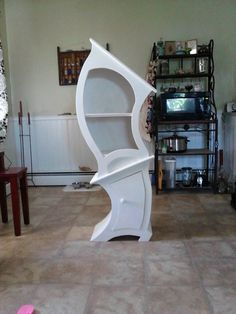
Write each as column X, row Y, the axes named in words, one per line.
column 170, row 172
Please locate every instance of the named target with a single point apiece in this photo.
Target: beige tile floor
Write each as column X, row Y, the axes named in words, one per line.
column 189, row 267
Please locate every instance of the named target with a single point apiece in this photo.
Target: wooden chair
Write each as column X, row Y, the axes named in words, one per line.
column 15, row 176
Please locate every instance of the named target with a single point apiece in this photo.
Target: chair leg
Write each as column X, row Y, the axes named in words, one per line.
column 3, row 202
column 15, row 206
column 25, row 199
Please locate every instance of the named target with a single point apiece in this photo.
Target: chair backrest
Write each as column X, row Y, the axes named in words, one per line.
column 2, row 163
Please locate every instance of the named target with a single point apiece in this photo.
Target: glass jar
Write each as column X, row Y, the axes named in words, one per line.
column 186, row 176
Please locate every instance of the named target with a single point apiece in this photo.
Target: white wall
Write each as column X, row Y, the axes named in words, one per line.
column 31, row 31
column 36, row 28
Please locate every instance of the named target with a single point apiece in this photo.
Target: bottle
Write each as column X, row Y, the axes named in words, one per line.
column 160, row 174
column 154, row 52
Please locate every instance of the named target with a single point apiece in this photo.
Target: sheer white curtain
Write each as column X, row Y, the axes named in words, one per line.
column 3, row 99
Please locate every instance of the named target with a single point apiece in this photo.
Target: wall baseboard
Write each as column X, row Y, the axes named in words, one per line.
column 47, row 179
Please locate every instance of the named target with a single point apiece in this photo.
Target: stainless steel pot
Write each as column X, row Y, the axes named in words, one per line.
column 175, row 143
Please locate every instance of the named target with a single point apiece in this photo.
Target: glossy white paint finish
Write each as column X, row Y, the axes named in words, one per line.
column 108, row 101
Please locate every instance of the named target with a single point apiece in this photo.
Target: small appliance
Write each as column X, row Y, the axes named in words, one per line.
column 183, row 106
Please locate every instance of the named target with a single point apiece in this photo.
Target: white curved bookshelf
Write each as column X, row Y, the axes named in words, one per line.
column 109, row 97
column 108, row 115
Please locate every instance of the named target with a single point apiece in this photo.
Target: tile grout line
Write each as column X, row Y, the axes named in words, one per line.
column 210, row 307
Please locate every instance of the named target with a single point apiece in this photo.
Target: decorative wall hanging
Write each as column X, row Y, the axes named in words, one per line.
column 3, row 99
column 70, row 64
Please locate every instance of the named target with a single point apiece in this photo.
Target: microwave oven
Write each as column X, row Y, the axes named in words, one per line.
column 183, row 106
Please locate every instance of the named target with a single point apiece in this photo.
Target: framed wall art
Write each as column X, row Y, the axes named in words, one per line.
column 70, row 64
column 192, row 44
column 169, row 48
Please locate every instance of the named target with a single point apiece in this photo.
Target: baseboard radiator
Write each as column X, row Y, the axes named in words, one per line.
column 57, row 152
